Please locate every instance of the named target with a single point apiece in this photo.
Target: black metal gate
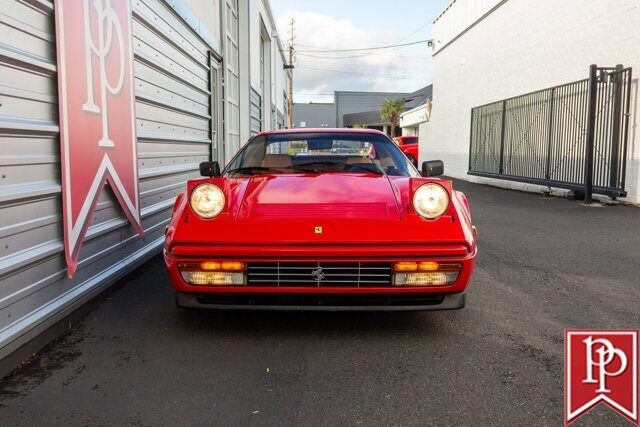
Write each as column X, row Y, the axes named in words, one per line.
column 572, row 136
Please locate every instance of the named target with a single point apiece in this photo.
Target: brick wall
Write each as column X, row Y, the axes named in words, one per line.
column 524, row 46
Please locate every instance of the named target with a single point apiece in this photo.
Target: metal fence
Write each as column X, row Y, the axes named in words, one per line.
column 572, row 136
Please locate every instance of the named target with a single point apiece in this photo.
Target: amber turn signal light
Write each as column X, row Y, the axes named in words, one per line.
column 222, row 266
column 216, row 273
column 425, row 266
column 425, row 273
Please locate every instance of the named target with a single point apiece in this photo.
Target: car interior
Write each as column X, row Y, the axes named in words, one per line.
column 328, row 163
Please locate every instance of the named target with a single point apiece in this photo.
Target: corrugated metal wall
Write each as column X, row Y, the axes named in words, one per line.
column 172, row 81
column 314, row 115
column 280, row 120
column 255, row 123
column 357, row 102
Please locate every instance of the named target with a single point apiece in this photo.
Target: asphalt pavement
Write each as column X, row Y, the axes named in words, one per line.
column 545, row 264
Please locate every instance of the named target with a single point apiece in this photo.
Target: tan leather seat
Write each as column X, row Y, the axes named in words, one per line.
column 277, row 161
column 386, row 161
column 359, row 161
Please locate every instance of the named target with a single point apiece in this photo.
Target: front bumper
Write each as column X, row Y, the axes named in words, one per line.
column 328, row 302
column 348, row 298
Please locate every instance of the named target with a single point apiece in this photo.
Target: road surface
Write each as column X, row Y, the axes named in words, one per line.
column 545, row 264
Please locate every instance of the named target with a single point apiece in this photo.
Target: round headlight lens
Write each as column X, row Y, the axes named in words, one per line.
column 207, row 200
column 431, row 201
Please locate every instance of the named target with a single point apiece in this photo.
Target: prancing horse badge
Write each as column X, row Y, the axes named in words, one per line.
column 318, row 230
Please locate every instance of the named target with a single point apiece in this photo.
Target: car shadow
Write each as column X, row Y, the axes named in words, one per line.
column 296, row 323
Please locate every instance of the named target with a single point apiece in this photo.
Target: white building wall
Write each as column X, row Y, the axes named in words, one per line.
column 424, row 138
column 519, row 47
column 261, row 22
column 281, row 82
column 245, row 82
column 459, row 16
column 242, row 26
column 208, row 12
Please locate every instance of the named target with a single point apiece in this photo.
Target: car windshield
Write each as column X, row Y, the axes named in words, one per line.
column 340, row 152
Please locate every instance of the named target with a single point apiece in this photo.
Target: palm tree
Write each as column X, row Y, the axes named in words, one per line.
column 390, row 111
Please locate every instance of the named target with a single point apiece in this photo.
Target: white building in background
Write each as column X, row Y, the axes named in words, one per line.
column 414, row 122
column 255, row 79
column 488, row 50
column 207, row 75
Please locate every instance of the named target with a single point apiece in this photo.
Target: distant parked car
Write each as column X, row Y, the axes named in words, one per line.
column 409, row 146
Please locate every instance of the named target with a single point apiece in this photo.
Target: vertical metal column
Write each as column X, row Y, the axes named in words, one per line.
column 616, row 127
column 625, row 124
column 547, row 171
column 471, row 144
column 591, row 124
column 213, row 94
column 504, row 112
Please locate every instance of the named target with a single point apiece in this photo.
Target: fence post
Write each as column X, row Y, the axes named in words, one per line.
column 470, row 140
column 615, row 127
column 504, row 112
column 591, row 134
column 547, row 175
column 625, row 126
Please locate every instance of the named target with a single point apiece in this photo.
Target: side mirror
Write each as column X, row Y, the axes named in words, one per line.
column 210, row 169
column 433, row 168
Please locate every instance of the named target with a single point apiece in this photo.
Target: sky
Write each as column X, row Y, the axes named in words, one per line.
column 324, row 27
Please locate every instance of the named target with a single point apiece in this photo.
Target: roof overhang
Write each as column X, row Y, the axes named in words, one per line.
column 417, row 115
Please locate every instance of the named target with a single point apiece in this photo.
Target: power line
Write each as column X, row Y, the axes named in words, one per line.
column 414, row 57
column 413, row 33
column 366, row 48
column 402, row 77
column 419, row 67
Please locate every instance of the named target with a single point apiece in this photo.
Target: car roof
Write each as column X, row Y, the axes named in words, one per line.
column 322, row 130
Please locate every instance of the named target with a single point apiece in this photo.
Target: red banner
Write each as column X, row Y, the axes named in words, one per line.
column 601, row 366
column 97, row 120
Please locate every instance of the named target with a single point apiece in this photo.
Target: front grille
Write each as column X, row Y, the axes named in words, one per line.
column 319, row 274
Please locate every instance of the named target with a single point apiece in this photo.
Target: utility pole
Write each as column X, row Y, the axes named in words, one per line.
column 290, row 66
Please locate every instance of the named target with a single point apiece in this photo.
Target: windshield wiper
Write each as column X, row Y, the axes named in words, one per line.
column 250, row 170
column 375, row 168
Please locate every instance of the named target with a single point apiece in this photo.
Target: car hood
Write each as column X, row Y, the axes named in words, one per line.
column 325, row 209
column 317, row 196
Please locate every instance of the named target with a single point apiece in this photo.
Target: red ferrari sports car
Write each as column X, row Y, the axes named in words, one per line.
column 409, row 146
column 321, row 219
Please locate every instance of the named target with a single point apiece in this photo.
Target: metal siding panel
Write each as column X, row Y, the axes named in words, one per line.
column 255, row 124
column 314, row 115
column 168, row 25
column 26, row 28
column 280, row 120
column 356, row 102
column 152, row 82
column 172, row 114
